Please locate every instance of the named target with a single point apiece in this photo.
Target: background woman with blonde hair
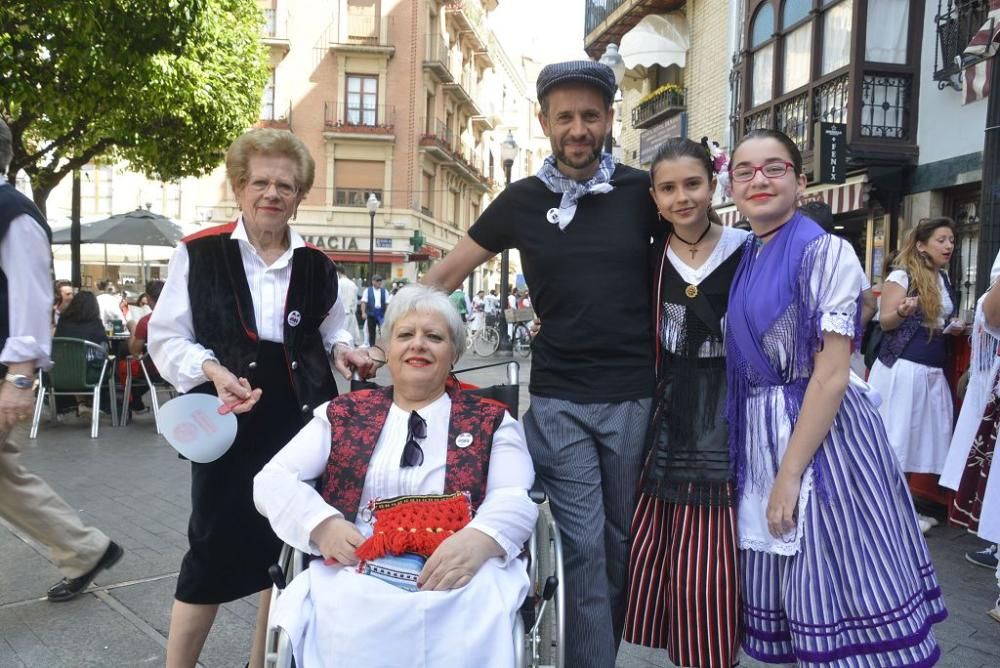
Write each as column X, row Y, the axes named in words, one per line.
column 917, row 304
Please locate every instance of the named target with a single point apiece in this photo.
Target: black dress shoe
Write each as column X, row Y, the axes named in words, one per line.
column 67, row 588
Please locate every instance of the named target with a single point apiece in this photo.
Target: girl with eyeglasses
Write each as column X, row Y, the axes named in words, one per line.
column 834, row 569
column 917, row 304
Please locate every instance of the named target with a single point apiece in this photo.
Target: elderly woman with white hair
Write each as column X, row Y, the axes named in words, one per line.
column 421, row 436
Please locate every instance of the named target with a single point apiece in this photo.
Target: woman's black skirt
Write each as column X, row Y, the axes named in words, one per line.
column 231, row 544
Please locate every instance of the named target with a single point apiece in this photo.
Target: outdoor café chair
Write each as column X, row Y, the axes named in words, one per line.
column 73, row 373
column 153, row 381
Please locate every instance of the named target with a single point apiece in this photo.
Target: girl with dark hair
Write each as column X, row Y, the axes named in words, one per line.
column 683, row 591
column 834, row 570
column 917, row 304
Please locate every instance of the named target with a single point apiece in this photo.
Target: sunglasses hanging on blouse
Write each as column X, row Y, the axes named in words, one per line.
column 413, row 454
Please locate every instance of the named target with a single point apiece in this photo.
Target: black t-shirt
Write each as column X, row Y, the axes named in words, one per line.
column 590, row 285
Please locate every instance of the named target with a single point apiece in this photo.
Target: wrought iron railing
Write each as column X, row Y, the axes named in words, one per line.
column 597, row 11
column 272, row 27
column 364, row 118
column 756, row 121
column 354, row 196
column 792, row 118
column 885, row 105
column 643, row 114
column 957, row 22
column 439, row 133
column 830, row 100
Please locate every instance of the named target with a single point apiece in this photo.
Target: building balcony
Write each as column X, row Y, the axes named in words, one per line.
column 957, row 22
column 364, row 32
column 355, row 197
column 437, row 142
column 605, row 21
column 880, row 128
column 374, row 123
column 464, row 90
column 274, row 33
column 437, row 59
column 470, row 19
column 659, row 105
column 275, row 115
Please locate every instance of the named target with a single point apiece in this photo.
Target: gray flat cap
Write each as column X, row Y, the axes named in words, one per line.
column 586, row 72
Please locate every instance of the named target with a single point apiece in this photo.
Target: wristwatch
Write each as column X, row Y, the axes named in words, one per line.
column 20, row 381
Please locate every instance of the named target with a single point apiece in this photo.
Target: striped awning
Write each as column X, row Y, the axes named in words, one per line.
column 981, row 49
column 852, row 195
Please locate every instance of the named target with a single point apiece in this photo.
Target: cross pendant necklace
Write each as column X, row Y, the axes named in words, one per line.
column 693, row 246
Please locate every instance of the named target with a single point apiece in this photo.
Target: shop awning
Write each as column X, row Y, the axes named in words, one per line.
column 658, row 39
column 362, row 256
column 852, row 195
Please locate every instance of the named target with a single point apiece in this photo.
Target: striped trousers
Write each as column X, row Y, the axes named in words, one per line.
column 683, row 585
column 588, row 459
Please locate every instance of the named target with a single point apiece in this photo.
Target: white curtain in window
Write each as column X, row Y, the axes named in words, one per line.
column 837, row 36
column 885, row 38
column 798, row 58
column 763, row 75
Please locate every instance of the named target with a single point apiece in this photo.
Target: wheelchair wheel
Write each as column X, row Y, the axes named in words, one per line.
column 545, row 646
column 487, row 342
column 521, row 342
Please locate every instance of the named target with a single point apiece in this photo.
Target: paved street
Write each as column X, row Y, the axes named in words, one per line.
column 130, row 484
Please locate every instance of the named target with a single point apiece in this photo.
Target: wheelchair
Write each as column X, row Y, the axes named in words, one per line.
column 539, row 626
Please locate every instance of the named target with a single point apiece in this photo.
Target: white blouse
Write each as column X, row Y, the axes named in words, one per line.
column 899, row 277
column 172, row 342
column 674, row 315
column 283, row 493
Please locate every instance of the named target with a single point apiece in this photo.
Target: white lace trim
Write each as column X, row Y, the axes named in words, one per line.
column 838, row 323
column 777, row 545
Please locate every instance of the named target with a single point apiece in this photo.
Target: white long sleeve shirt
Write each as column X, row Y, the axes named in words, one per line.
column 172, row 342
column 283, row 494
column 26, row 261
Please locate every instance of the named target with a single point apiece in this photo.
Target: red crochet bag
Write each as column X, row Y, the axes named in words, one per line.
column 416, row 524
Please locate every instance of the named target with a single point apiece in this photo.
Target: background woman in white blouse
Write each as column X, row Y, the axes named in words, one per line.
column 917, row 304
column 362, row 447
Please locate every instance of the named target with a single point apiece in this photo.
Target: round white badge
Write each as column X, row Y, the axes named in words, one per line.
column 464, row 440
column 294, row 318
column 552, row 215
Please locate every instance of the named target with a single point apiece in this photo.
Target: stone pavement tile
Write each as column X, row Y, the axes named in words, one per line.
column 8, row 658
column 25, row 573
column 82, row 633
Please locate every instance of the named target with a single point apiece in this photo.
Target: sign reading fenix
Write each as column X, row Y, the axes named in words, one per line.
column 651, row 140
column 331, row 242
column 831, row 157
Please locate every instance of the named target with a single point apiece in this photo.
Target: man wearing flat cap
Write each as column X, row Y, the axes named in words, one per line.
column 582, row 225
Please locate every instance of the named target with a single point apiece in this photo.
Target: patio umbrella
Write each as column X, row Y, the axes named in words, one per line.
column 136, row 228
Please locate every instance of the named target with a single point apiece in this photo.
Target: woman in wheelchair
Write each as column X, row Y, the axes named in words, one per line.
column 356, row 606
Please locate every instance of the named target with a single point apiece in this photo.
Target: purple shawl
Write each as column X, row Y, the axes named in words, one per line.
column 764, row 287
column 772, row 296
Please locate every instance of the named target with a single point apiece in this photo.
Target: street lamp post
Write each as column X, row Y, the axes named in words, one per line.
column 372, row 205
column 612, row 59
column 508, row 154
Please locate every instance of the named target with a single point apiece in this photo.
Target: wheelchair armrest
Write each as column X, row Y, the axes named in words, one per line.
column 537, row 494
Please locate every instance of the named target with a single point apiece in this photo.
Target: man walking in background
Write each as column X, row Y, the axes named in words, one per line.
column 26, row 501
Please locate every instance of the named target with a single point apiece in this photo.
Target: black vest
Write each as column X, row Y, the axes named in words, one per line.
column 223, row 315
column 12, row 205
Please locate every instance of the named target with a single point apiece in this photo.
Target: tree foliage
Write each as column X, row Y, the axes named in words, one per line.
column 163, row 84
